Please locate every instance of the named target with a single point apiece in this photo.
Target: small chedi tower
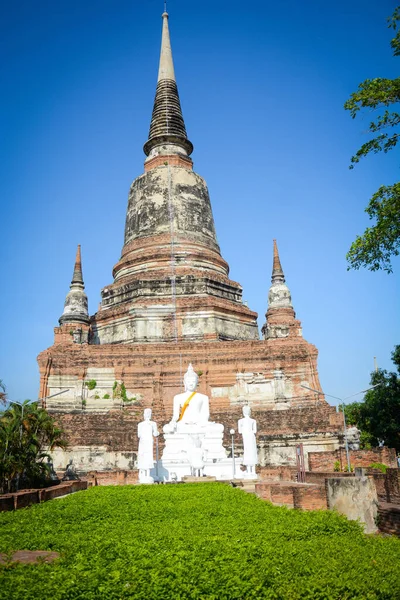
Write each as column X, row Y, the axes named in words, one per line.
column 172, row 303
column 75, row 317
column 281, row 319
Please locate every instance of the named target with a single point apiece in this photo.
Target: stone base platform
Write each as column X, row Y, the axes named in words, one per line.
column 205, row 479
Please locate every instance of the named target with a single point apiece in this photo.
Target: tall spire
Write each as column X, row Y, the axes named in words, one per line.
column 166, row 68
column 76, row 302
column 277, row 271
column 77, row 276
column 167, row 133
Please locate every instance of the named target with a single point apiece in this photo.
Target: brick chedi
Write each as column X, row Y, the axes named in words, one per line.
column 171, row 302
column 171, row 281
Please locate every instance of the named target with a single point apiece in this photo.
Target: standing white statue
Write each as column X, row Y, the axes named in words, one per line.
column 190, row 407
column 247, row 427
column 147, row 431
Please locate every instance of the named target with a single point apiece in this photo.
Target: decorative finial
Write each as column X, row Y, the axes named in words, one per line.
column 77, row 276
column 277, row 271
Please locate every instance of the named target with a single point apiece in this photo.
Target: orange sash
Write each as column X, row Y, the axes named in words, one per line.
column 184, row 407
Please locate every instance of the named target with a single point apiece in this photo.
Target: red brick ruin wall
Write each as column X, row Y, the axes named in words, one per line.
column 325, row 461
column 155, row 370
column 117, row 429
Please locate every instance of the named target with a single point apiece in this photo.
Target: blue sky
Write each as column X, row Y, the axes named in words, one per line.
column 262, row 88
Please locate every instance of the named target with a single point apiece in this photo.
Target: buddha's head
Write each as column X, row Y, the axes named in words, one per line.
column 190, row 379
column 246, row 410
column 147, row 414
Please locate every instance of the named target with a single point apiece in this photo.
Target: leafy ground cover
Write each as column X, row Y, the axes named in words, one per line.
column 200, row 541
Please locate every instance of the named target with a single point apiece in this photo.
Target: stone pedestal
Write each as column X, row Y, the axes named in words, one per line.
column 195, row 450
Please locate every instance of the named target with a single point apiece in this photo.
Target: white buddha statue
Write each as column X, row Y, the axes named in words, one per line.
column 193, row 443
column 191, row 409
column 147, row 431
column 247, row 427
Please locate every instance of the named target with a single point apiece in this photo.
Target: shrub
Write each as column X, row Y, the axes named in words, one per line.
column 194, row 541
column 336, row 466
column 106, row 396
column 379, row 466
column 27, row 431
column 91, row 384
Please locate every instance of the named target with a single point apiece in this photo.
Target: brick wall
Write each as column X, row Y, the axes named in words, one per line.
column 325, row 461
column 318, row 477
column 392, row 486
column 277, row 473
column 295, row 495
column 115, row 477
column 263, row 490
column 117, row 429
column 26, row 498
column 389, row 519
column 310, row 497
column 282, row 494
column 380, row 486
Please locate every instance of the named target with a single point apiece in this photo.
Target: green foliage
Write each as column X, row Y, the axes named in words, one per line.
column 347, row 470
column 192, row 542
column 379, row 243
column 97, row 397
column 352, row 412
column 119, row 391
column 91, row 384
column 106, row 396
column 382, row 241
column 84, row 402
column 26, row 431
column 379, row 466
column 379, row 414
column 123, row 393
column 3, row 392
column 336, row 466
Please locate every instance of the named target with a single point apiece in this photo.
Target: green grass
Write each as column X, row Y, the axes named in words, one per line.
column 192, row 541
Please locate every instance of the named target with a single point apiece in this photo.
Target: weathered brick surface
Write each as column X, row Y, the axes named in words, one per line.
column 392, row 486
column 263, row 490
column 267, row 474
column 26, row 498
column 325, row 461
column 282, row 494
column 6, row 502
column 154, row 372
column 62, row 490
column 174, row 160
column 294, row 495
column 117, row 429
column 312, row 497
column 114, row 477
column 389, row 518
column 319, row 477
column 380, row 486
